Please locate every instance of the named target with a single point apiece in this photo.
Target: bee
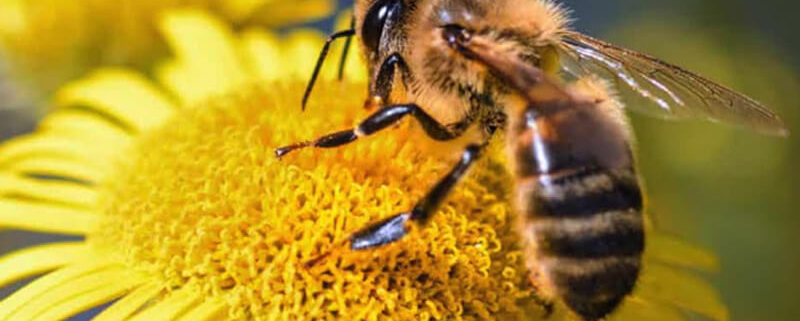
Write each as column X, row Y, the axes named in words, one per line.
column 515, row 66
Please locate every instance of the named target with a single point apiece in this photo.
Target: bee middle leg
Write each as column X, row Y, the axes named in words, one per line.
column 396, row 227
column 379, row 120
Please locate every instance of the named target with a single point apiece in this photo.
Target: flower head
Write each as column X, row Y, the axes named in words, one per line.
column 188, row 215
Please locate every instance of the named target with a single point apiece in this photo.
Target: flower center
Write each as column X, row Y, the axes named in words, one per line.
column 203, row 202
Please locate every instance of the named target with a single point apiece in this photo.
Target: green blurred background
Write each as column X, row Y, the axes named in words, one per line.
column 734, row 192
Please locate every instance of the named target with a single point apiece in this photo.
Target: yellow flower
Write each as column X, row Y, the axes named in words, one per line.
column 50, row 42
column 188, row 216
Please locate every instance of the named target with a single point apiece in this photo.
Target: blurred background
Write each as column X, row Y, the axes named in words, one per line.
column 734, row 192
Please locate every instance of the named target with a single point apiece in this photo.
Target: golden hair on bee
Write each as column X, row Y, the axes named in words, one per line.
column 600, row 90
column 433, row 75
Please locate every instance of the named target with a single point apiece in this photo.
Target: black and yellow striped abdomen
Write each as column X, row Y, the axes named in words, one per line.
column 580, row 204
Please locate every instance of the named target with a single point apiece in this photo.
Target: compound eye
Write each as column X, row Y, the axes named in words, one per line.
column 375, row 21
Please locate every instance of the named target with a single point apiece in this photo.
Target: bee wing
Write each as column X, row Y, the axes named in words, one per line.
column 676, row 92
column 533, row 83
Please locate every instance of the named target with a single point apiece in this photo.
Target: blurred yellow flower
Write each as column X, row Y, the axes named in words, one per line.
column 49, row 42
column 188, row 216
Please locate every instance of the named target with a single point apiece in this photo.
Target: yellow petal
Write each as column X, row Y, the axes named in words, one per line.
column 207, row 311
column 181, row 82
column 12, row 18
column 267, row 54
column 301, row 50
column 681, row 289
column 46, row 218
column 85, row 301
column 42, row 144
column 174, row 305
column 89, row 126
column 59, row 167
column 131, row 303
column 638, row 309
column 122, row 95
column 102, row 293
column 206, row 50
column 14, row 302
column 34, row 260
column 672, row 250
column 67, row 193
column 60, row 300
column 263, row 54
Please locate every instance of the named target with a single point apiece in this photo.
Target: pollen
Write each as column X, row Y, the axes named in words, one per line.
column 206, row 204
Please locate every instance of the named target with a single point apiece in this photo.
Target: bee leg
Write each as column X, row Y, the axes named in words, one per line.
column 346, row 49
column 344, row 33
column 379, row 120
column 538, row 297
column 394, row 228
column 546, row 305
column 384, row 80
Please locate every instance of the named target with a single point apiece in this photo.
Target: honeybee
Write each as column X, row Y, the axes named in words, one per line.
column 517, row 67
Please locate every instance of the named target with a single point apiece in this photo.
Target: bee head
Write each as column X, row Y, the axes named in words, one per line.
column 380, row 17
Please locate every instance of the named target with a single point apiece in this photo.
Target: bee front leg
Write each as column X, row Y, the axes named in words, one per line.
column 396, row 227
column 381, row 119
column 383, row 83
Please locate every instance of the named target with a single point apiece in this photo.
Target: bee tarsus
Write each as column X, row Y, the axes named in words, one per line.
column 280, row 152
column 379, row 120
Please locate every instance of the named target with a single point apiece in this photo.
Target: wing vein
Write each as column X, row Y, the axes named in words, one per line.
column 677, row 92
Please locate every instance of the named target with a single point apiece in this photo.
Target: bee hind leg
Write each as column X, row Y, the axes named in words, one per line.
column 546, row 305
column 539, row 297
column 379, row 120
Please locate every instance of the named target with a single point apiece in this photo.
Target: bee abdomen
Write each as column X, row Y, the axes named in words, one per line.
column 593, row 288
column 614, row 233
column 589, row 234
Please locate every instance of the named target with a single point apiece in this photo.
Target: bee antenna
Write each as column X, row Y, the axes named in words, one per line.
column 346, row 50
column 321, row 60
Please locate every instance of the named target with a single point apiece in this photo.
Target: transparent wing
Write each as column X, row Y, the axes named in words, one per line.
column 675, row 92
column 531, row 82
